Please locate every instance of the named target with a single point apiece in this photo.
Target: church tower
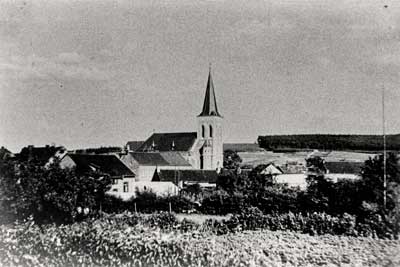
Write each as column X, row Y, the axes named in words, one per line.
column 209, row 131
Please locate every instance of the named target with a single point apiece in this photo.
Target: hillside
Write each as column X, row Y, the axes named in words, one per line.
column 242, row 147
column 329, row 142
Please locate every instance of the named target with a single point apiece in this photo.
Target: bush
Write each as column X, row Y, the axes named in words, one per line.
column 222, row 203
column 147, row 202
column 163, row 220
column 311, row 223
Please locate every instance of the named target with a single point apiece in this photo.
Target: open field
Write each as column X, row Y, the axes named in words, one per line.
column 298, row 157
column 105, row 244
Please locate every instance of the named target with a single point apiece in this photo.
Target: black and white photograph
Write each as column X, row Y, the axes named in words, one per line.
column 150, row 133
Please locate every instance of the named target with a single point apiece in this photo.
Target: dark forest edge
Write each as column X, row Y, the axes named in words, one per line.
column 328, row 142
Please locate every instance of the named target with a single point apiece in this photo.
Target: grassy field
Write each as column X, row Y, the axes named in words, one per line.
column 105, row 244
column 200, row 218
column 281, row 158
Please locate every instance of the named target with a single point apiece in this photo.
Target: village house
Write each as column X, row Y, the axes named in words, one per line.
column 183, row 178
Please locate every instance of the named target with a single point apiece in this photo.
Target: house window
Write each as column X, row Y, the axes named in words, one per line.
column 114, row 181
column 115, row 190
column 203, row 131
column 211, row 131
column 126, row 187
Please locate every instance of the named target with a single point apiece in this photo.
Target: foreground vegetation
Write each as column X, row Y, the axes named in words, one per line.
column 158, row 240
column 330, row 223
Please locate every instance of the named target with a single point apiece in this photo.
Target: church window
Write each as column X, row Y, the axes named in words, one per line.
column 203, row 131
column 211, row 131
column 201, row 158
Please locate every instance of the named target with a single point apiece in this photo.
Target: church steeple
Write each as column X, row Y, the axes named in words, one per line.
column 210, row 103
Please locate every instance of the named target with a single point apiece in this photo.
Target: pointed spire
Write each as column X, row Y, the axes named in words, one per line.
column 210, row 103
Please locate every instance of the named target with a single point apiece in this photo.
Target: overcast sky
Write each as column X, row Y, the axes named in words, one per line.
column 92, row 73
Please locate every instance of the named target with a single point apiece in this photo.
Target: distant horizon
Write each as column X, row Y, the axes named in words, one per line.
column 94, row 73
column 226, row 142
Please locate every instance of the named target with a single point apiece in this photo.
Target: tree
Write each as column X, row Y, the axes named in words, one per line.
column 50, row 194
column 372, row 180
column 231, row 159
column 316, row 166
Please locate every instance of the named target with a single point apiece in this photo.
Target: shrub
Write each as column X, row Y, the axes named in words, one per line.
column 222, row 203
column 147, row 202
column 163, row 220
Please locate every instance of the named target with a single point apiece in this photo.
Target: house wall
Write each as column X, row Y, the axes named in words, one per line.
column 145, row 173
column 159, row 188
column 118, row 185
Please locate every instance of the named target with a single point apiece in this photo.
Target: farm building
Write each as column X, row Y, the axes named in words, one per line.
column 183, row 178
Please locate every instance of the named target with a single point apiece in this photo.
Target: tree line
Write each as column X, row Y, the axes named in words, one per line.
column 329, row 142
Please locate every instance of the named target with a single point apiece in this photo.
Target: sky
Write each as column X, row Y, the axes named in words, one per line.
column 101, row 73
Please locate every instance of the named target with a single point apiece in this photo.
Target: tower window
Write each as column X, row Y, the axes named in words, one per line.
column 203, row 131
column 211, row 131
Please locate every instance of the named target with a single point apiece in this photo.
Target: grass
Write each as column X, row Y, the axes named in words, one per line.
column 105, row 244
column 200, row 218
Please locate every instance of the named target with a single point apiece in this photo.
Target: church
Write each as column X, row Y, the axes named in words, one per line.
column 203, row 149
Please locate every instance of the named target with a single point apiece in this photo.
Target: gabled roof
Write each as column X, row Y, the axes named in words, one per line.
column 174, row 158
column 271, row 169
column 133, row 145
column 169, row 142
column 41, row 154
column 170, row 158
column 5, row 153
column 175, row 176
column 109, row 164
column 149, row 158
column 210, row 103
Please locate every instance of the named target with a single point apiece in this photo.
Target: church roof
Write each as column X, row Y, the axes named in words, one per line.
column 170, row 158
column 149, row 158
column 210, row 103
column 169, row 142
column 175, row 176
column 174, row 158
